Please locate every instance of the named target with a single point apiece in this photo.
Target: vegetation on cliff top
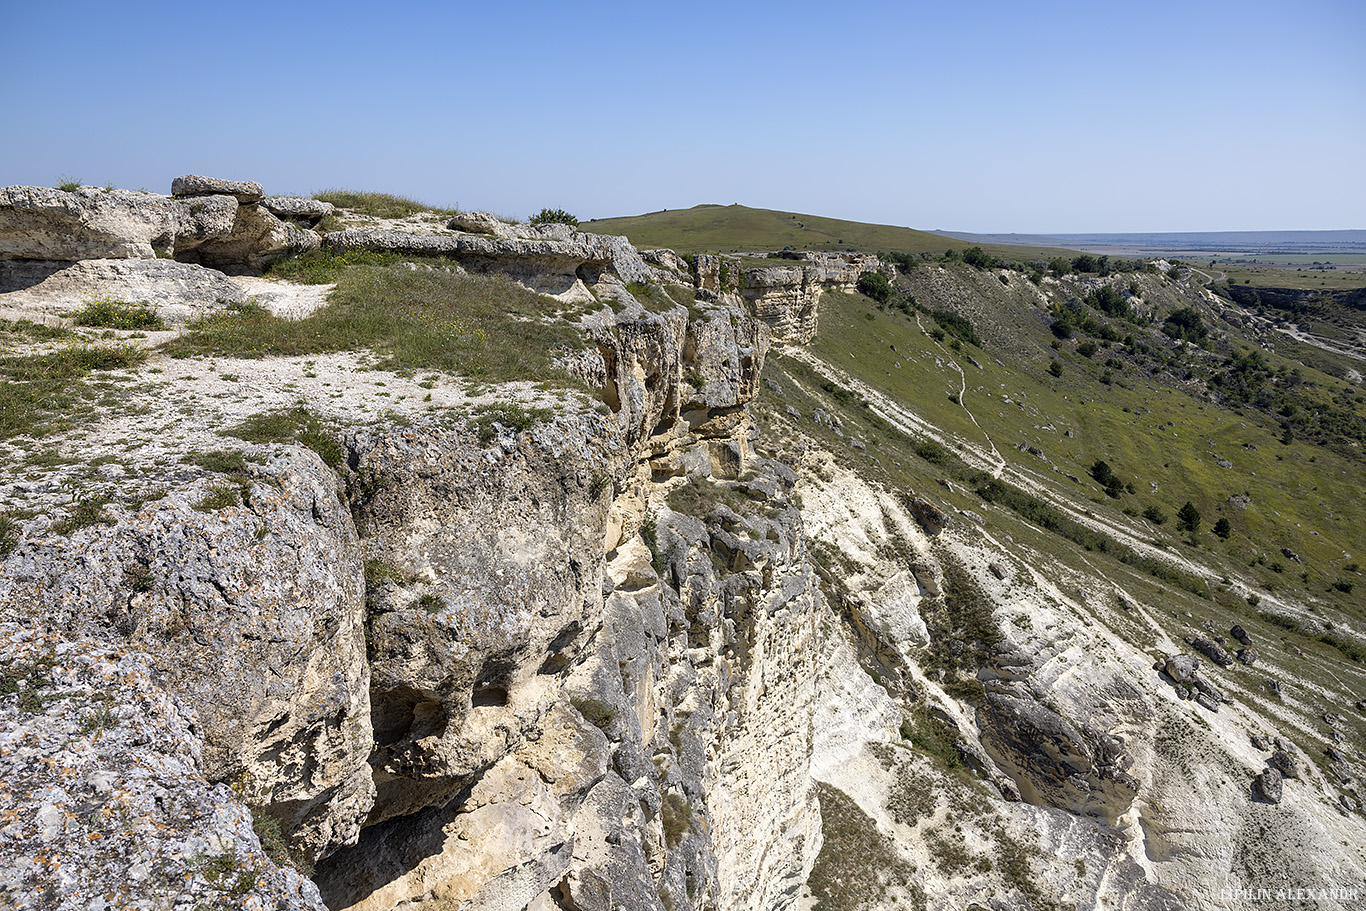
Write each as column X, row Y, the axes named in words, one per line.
column 480, row 326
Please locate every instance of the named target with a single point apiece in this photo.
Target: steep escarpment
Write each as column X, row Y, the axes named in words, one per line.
column 720, row 606
column 476, row 656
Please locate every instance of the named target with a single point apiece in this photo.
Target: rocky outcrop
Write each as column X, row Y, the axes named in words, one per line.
column 513, row 693
column 786, row 296
column 252, row 616
column 258, row 238
column 556, row 261
column 304, row 213
column 207, row 221
column 244, row 191
column 179, row 292
column 1051, row 761
column 91, row 223
column 103, row 794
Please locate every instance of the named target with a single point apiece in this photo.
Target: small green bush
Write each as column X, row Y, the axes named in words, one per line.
column 1189, row 517
column 876, row 286
column 594, row 711
column 1055, row 369
column 677, row 818
column 512, row 415
column 978, row 258
column 111, row 313
column 432, row 604
column 932, row 452
column 220, row 496
column 69, row 184
column 554, row 217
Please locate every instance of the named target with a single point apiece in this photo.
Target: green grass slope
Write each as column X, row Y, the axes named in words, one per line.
column 736, row 228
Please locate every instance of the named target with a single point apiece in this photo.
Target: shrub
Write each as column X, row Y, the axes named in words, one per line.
column 677, row 818
column 958, row 326
column 932, row 452
column 1055, row 369
column 111, row 313
column 1155, row 515
column 220, row 496
column 594, row 711
column 1189, row 517
column 1187, row 325
column 1108, row 300
column 68, row 184
column 1087, row 348
column 1106, row 478
column 876, row 286
column 1222, row 528
column 512, row 415
column 1085, row 263
column 554, row 217
column 978, row 258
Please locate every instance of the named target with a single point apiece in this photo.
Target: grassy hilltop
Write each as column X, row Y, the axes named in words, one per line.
column 736, row 228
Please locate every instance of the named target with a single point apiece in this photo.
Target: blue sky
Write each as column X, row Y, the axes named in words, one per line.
column 988, row 116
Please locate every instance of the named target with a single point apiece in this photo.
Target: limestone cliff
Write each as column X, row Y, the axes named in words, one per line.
column 664, row 634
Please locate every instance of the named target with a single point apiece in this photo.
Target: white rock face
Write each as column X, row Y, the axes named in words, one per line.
column 260, row 634
column 102, row 790
column 88, row 223
column 179, row 292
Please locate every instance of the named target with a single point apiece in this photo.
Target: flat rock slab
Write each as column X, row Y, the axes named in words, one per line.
column 179, row 292
column 195, row 185
column 298, row 207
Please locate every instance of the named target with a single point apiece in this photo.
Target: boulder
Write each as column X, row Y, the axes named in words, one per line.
column 1212, row 651
column 1051, row 761
column 1182, row 668
column 195, row 185
column 1237, row 632
column 1269, row 786
column 179, row 292
column 261, row 638
column 109, row 794
column 299, row 209
column 1209, row 703
column 1248, row 656
column 479, row 223
column 257, row 239
column 927, row 514
column 1287, row 763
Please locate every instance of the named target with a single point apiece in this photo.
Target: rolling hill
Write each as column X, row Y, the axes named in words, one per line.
column 736, row 228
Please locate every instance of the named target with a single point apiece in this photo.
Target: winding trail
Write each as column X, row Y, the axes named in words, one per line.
column 962, row 403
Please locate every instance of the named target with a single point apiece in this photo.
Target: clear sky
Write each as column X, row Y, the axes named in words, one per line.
column 988, row 116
